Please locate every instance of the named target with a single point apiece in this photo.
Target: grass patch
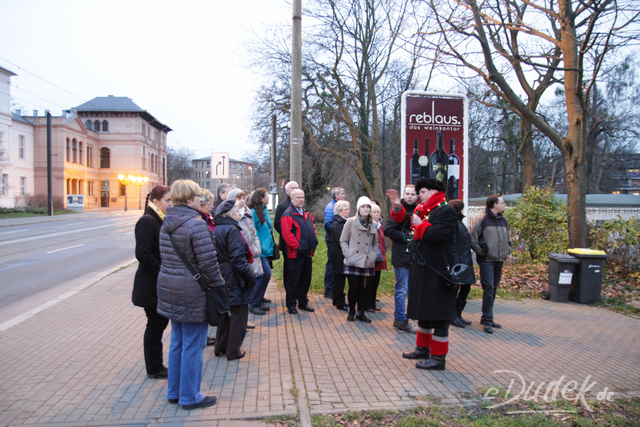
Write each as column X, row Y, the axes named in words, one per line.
column 387, row 277
column 617, row 413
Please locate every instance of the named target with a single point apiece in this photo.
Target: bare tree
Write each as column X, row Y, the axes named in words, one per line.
column 179, row 163
column 557, row 41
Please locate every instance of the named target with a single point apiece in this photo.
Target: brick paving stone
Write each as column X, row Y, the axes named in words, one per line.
column 80, row 361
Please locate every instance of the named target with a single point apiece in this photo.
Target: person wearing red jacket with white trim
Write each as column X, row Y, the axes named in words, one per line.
column 299, row 233
column 431, row 301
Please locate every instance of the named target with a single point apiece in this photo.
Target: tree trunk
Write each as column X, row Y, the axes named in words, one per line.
column 528, row 155
column 574, row 143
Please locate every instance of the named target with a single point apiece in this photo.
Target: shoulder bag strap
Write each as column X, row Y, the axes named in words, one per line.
column 189, row 266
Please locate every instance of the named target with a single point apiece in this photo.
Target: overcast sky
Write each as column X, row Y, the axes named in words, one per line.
column 182, row 61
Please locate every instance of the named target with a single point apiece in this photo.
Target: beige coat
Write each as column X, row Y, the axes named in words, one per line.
column 359, row 245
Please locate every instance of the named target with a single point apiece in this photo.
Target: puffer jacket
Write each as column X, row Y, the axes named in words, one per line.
column 249, row 232
column 359, row 245
column 494, row 231
column 180, row 297
column 463, row 246
column 233, row 258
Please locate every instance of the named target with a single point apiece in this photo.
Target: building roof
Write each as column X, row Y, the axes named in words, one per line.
column 593, row 200
column 19, row 118
column 230, row 159
column 109, row 103
column 119, row 104
column 7, row 72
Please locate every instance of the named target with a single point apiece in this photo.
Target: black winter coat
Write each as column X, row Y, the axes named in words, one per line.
column 147, row 231
column 233, row 258
column 463, row 245
column 429, row 298
column 180, row 297
column 399, row 234
column 336, row 256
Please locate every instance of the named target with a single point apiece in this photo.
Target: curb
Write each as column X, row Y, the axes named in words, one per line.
column 95, row 279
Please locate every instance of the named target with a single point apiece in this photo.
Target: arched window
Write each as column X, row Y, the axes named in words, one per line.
column 74, row 149
column 89, row 125
column 80, row 152
column 105, row 158
column 68, row 150
column 96, row 125
column 105, row 126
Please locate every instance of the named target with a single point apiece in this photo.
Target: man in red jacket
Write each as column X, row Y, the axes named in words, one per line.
column 299, row 233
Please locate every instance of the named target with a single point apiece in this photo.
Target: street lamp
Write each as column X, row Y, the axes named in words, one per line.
column 251, row 169
column 129, row 179
column 140, row 181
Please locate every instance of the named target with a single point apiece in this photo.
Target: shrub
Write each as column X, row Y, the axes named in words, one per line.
column 39, row 201
column 620, row 239
column 538, row 224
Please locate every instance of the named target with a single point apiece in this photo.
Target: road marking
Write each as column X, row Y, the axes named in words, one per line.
column 131, row 232
column 64, row 249
column 99, row 276
column 64, row 233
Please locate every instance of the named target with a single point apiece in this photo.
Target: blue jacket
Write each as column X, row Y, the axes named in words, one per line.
column 264, row 232
column 328, row 218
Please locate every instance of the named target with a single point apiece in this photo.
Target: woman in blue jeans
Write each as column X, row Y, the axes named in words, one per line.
column 180, row 297
column 258, row 204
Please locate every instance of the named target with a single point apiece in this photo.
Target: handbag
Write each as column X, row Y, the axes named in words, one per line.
column 379, row 258
column 276, row 249
column 217, row 299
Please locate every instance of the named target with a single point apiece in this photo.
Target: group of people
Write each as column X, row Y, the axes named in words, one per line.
column 185, row 236
column 431, row 238
column 228, row 241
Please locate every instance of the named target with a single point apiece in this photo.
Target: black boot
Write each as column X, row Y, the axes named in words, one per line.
column 418, row 353
column 459, row 308
column 362, row 317
column 458, row 322
column 435, row 363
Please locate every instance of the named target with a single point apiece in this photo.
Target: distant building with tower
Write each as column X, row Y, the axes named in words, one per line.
column 239, row 174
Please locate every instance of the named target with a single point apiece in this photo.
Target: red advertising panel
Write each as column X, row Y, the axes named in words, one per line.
column 435, row 140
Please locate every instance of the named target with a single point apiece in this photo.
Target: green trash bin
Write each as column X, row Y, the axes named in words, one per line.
column 561, row 271
column 586, row 287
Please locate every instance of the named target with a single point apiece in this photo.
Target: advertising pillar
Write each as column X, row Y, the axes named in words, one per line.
column 435, row 140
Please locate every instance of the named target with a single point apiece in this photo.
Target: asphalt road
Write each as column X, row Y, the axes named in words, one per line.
column 39, row 262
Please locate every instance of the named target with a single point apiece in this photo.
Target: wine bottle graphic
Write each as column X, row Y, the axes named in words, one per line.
column 414, row 165
column 425, row 163
column 440, row 161
column 453, row 182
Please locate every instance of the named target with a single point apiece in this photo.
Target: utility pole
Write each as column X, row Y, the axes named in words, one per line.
column 49, row 190
column 295, row 170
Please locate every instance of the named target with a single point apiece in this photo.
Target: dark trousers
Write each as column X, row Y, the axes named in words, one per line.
column 231, row 331
column 440, row 328
column 461, row 298
column 357, row 292
column 490, row 275
column 372, row 289
column 156, row 324
column 329, row 281
column 338, row 289
column 298, row 282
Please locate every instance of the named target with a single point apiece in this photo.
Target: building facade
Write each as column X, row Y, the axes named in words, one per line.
column 92, row 145
column 240, row 175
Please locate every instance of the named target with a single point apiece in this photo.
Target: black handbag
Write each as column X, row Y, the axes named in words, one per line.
column 217, row 299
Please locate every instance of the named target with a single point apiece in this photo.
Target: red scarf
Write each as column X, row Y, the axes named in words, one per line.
column 423, row 211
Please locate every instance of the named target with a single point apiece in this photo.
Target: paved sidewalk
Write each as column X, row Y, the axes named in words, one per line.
column 80, row 361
